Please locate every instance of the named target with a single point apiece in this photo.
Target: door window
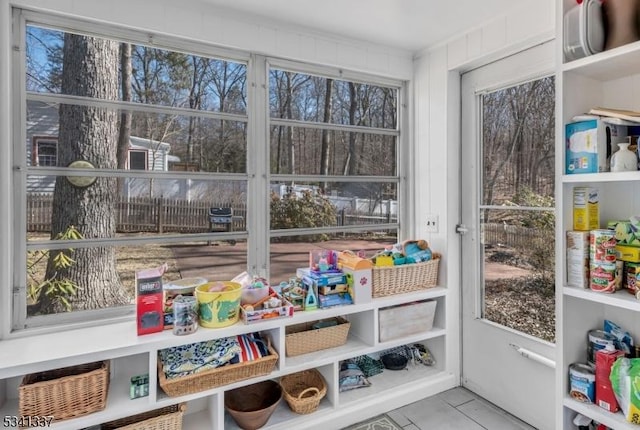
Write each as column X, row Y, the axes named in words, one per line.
column 516, row 212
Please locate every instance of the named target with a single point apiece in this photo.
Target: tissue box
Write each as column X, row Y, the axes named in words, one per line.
column 589, row 144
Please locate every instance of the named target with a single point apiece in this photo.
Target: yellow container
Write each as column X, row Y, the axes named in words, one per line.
column 586, row 212
column 218, row 308
column 630, row 254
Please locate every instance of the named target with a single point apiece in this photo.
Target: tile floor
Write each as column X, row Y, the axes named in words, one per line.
column 455, row 409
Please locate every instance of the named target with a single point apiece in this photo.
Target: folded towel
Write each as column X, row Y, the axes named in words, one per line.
column 196, row 357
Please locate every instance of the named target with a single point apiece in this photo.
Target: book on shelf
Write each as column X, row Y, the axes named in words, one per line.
column 628, row 115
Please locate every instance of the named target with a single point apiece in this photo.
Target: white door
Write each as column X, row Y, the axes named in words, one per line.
column 507, row 178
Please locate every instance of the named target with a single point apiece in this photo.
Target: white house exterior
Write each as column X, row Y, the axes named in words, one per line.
column 42, row 140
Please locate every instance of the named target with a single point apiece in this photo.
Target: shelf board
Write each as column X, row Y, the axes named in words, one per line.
column 39, row 352
column 388, row 381
column 612, row 420
column 353, row 348
column 283, row 416
column 620, row 299
column 608, row 65
column 580, row 178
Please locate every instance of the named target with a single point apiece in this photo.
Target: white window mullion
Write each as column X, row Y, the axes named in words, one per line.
column 406, row 169
column 258, row 206
column 18, row 304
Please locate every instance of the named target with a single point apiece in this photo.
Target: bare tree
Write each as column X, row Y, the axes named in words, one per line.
column 325, row 151
column 125, row 116
column 87, row 133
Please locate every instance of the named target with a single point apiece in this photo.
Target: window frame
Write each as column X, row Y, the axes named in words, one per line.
column 35, row 149
column 257, row 176
column 145, row 159
column 402, row 145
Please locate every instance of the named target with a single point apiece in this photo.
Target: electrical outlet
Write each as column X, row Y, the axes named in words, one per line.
column 432, row 223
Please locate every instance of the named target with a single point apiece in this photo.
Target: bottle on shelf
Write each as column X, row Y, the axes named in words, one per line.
column 624, row 160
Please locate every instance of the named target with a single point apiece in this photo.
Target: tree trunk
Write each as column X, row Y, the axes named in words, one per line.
column 350, row 164
column 289, row 130
column 325, row 153
column 125, row 117
column 87, row 133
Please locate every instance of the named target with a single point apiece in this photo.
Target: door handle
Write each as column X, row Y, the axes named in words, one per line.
column 534, row 356
column 461, row 229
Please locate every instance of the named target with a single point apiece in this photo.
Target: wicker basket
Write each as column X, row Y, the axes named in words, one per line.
column 406, row 278
column 65, row 393
column 303, row 338
column 217, row 377
column 304, row 390
column 167, row 418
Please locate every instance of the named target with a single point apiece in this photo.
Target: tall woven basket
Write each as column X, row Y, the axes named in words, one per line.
column 304, row 390
column 65, row 393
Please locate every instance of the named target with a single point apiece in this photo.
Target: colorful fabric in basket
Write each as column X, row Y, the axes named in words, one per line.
column 185, row 360
column 252, row 347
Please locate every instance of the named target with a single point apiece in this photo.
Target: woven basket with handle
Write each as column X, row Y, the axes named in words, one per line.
column 304, row 390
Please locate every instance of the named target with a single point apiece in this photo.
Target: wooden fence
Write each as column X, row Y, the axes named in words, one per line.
column 159, row 215
column 521, row 238
column 143, row 214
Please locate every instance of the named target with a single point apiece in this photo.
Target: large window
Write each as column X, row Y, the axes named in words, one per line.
column 333, row 156
column 151, row 139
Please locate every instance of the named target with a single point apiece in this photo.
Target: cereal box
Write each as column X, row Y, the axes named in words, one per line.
column 586, row 210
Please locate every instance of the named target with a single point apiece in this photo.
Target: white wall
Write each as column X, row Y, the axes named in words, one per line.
column 197, row 20
column 437, row 129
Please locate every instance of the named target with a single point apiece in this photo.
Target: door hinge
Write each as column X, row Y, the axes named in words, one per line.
column 461, row 229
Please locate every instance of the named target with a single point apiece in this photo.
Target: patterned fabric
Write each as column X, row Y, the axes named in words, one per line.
column 196, row 357
column 252, row 347
column 369, row 366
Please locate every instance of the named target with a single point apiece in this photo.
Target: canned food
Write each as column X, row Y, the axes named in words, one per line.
column 582, row 383
column 602, row 246
column 602, row 277
column 597, row 340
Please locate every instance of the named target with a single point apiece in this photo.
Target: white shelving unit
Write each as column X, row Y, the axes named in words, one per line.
column 133, row 355
column 609, row 79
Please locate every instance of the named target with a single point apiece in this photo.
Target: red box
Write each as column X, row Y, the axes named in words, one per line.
column 605, row 398
column 149, row 302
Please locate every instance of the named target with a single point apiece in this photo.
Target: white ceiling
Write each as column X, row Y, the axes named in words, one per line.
column 407, row 24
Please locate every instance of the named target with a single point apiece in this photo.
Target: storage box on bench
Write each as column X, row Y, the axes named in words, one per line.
column 404, row 320
column 406, row 278
column 316, row 335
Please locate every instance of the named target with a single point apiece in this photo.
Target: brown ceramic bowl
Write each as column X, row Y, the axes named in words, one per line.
column 251, row 406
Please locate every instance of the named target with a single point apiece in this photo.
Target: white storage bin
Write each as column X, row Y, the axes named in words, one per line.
column 404, row 320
